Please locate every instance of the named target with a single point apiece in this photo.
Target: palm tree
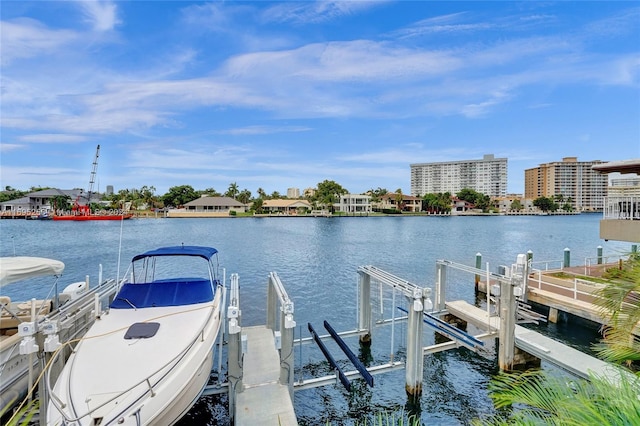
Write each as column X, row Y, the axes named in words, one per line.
column 232, row 191
column 399, row 199
column 244, row 196
column 619, row 304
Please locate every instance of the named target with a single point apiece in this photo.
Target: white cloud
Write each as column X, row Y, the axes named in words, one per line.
column 52, row 138
column 101, row 15
column 264, row 130
column 315, row 11
column 28, row 38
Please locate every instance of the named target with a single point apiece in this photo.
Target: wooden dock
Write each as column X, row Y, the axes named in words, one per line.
column 545, row 348
column 263, row 400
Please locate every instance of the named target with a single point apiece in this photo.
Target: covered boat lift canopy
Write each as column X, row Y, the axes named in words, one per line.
column 19, row 268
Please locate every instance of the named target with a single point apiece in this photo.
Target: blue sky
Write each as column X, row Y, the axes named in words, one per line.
column 275, row 95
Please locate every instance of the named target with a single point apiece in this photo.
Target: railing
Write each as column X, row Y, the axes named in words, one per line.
column 626, row 208
column 546, row 265
column 596, row 265
column 283, row 325
column 536, row 280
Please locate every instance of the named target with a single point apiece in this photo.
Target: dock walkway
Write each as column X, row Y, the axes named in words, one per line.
column 545, row 348
column 263, row 400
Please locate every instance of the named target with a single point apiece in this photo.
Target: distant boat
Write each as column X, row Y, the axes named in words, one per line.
column 41, row 216
column 149, row 359
column 81, row 216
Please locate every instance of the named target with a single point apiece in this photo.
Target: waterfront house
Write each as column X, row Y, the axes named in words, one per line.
column 286, row 207
column 354, row 204
column 461, row 206
column 41, row 201
column 409, row 203
column 207, row 206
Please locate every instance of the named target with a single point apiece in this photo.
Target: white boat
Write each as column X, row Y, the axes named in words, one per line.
column 30, row 331
column 147, row 360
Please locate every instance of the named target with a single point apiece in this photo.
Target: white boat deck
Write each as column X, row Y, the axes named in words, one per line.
column 545, row 348
column 263, row 400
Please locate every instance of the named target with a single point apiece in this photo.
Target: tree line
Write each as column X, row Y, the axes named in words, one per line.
column 326, row 193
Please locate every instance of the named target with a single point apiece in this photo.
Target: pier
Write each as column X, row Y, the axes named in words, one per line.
column 569, row 359
column 260, row 371
column 261, row 358
column 560, row 289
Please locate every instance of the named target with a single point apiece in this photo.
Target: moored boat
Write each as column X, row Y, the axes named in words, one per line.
column 93, row 216
column 148, row 360
column 26, row 325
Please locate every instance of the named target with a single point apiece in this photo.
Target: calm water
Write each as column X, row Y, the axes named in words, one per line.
column 317, row 259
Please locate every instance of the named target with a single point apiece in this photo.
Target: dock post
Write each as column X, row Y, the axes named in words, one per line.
column 567, row 257
column 415, row 354
column 364, row 311
column 441, row 284
column 478, row 266
column 599, row 255
column 272, row 303
column 235, row 353
column 506, row 336
column 287, row 327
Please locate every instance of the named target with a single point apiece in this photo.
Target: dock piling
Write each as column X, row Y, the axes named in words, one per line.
column 364, row 308
column 415, row 354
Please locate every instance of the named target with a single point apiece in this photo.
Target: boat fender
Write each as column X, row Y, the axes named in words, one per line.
column 74, row 290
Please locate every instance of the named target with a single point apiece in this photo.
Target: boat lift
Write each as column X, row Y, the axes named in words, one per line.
column 280, row 325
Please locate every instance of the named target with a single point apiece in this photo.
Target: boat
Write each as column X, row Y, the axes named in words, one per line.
column 40, row 216
column 25, row 325
column 77, row 215
column 147, row 361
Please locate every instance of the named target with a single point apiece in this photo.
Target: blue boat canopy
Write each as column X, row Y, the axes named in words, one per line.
column 200, row 251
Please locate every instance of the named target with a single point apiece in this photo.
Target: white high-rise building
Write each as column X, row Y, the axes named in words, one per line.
column 293, row 193
column 487, row 176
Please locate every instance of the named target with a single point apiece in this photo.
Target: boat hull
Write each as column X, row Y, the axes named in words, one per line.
column 94, row 217
column 76, row 319
column 149, row 381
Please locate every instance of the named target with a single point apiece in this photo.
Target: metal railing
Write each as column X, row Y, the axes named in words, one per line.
column 536, row 280
column 622, row 207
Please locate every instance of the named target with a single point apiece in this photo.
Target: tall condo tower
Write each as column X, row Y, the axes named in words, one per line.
column 487, row 176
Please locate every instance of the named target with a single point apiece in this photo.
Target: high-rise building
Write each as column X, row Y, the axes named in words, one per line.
column 293, row 193
column 569, row 180
column 487, row 176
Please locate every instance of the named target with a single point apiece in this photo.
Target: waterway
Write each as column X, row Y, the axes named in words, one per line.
column 317, row 260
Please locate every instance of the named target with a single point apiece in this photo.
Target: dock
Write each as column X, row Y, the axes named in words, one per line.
column 263, row 400
column 545, row 348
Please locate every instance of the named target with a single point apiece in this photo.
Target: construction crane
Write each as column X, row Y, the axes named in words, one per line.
column 93, row 175
column 86, row 209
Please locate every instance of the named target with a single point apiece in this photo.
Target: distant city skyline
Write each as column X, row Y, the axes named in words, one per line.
column 279, row 95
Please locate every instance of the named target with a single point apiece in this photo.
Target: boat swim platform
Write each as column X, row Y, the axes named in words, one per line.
column 569, row 359
column 263, row 400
